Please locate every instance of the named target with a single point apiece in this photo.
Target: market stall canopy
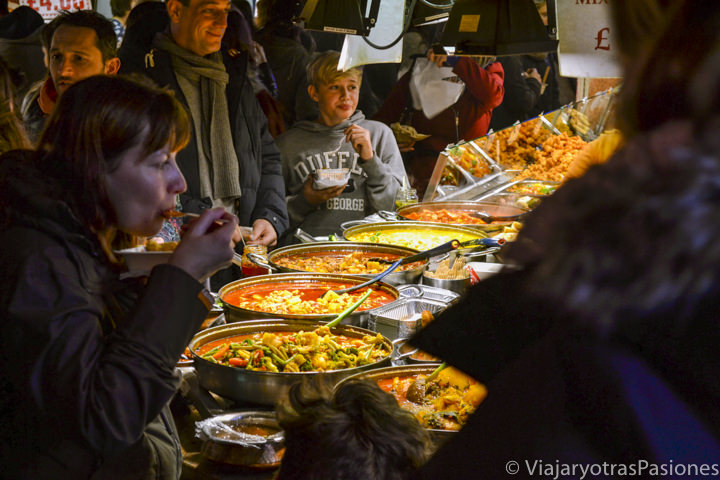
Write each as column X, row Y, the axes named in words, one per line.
column 497, row 28
column 340, row 16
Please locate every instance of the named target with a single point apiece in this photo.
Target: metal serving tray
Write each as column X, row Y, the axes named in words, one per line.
column 506, row 187
column 468, row 185
column 528, row 202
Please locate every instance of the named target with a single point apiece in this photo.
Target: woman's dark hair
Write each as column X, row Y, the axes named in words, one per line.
column 677, row 78
column 357, row 432
column 97, row 120
column 12, row 132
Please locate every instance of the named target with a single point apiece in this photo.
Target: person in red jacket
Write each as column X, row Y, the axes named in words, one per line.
column 479, row 89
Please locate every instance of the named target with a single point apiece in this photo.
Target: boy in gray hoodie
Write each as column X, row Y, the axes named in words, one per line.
column 340, row 137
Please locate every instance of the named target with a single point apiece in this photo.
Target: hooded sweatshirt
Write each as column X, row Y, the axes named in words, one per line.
column 309, row 145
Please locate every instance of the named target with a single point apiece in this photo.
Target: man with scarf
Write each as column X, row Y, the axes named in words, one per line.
column 231, row 160
column 79, row 44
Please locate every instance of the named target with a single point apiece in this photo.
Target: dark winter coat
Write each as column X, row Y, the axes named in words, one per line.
column 87, row 359
column 261, row 180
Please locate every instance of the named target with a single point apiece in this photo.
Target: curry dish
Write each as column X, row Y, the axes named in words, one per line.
column 319, row 350
column 417, row 238
column 356, row 262
column 288, row 298
column 449, row 399
column 450, row 217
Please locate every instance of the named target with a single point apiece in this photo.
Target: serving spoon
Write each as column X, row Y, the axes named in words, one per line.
column 416, row 390
column 440, row 249
column 348, row 310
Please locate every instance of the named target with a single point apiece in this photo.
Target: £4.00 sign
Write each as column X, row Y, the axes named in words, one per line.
column 50, row 8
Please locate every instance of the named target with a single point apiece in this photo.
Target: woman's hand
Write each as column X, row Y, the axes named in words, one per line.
column 207, row 245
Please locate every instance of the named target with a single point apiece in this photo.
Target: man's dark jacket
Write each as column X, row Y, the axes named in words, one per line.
column 261, row 180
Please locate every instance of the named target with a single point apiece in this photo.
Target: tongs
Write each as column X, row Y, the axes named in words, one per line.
column 486, row 217
column 484, row 242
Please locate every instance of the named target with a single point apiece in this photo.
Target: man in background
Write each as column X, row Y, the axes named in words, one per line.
column 120, row 10
column 231, row 160
column 80, row 44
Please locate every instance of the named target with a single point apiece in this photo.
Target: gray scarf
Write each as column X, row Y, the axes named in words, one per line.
column 203, row 81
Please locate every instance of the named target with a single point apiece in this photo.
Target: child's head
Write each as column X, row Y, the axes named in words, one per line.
column 324, row 70
column 355, row 432
column 336, row 92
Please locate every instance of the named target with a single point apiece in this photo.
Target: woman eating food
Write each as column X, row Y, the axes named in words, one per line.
column 88, row 358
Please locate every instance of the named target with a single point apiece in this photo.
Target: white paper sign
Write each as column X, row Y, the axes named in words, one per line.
column 587, row 46
column 356, row 51
column 50, row 8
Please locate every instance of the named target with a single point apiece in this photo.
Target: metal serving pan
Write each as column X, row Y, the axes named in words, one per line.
column 506, row 213
column 439, row 436
column 237, row 314
column 346, row 248
column 448, row 232
column 265, row 388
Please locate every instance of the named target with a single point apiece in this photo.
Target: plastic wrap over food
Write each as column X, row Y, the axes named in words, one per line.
column 242, row 437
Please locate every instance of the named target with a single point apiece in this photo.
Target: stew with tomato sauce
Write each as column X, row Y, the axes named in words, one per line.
column 356, row 262
column 450, row 217
column 449, row 399
column 298, row 299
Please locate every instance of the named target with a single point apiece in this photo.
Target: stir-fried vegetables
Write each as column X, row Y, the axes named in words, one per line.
column 319, row 350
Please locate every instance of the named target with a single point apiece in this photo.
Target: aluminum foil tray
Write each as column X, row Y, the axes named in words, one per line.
column 427, row 292
column 401, row 319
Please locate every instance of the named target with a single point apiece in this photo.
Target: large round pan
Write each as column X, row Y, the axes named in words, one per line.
column 439, row 436
column 265, row 388
column 237, row 314
column 429, row 234
column 336, row 249
column 505, row 214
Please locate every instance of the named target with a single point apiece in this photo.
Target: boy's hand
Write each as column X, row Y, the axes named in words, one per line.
column 318, row 197
column 359, row 138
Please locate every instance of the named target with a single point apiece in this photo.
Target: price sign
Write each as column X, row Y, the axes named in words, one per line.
column 50, row 8
column 587, row 46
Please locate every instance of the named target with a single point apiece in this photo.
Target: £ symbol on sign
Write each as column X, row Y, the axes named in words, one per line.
column 600, row 38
